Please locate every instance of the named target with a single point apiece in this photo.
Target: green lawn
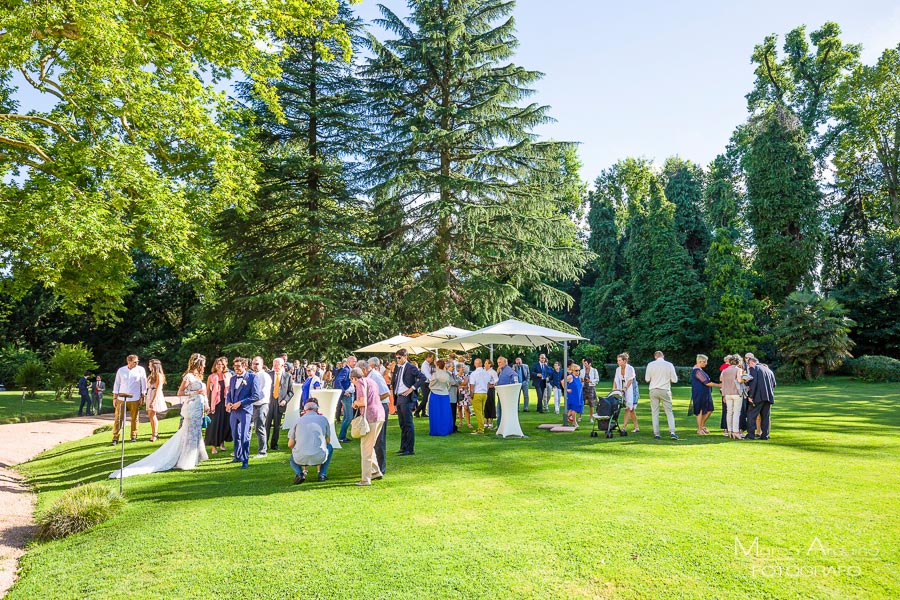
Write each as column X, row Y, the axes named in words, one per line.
column 41, row 408
column 552, row 516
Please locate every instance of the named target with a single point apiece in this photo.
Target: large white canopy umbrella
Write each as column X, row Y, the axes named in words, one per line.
column 393, row 344
column 518, row 333
column 445, row 339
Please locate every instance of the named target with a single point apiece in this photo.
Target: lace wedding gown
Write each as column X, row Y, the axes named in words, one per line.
column 185, row 449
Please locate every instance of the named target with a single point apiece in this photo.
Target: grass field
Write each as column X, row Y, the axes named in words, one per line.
column 42, row 408
column 816, row 510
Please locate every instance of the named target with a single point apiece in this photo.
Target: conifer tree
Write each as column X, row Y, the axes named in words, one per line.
column 730, row 308
column 294, row 283
column 664, row 288
column 484, row 234
column 684, row 189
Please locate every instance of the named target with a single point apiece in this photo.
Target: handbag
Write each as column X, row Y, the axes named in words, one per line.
column 359, row 426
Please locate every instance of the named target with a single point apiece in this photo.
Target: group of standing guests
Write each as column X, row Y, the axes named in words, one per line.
column 747, row 394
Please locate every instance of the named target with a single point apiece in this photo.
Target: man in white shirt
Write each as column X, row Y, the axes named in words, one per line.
column 370, row 370
column 128, row 392
column 310, row 443
column 661, row 375
column 479, row 380
column 262, row 390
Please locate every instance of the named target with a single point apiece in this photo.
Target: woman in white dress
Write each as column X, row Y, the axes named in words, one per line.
column 624, row 382
column 185, row 449
column 156, row 403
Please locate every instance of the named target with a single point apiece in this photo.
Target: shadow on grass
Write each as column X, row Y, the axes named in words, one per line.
column 814, row 419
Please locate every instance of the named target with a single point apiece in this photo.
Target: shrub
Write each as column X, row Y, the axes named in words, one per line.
column 874, row 368
column 813, row 332
column 31, row 377
column 79, row 509
column 789, row 373
column 67, row 365
column 11, row 359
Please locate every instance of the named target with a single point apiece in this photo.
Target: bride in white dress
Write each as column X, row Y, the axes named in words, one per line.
column 184, row 450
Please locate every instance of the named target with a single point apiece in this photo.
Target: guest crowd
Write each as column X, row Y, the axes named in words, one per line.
column 246, row 398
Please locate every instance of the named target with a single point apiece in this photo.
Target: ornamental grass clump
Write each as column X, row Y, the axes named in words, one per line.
column 79, row 509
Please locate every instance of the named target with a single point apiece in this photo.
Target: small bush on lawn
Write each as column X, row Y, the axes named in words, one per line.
column 31, row 377
column 79, row 509
column 875, row 368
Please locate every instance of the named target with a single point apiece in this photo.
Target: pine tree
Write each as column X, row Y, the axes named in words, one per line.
column 684, row 189
column 295, row 280
column 484, row 235
column 783, row 205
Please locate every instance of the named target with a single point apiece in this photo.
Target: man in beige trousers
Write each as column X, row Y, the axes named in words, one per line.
column 661, row 375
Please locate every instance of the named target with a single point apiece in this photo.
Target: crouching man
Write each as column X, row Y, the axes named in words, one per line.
column 309, row 441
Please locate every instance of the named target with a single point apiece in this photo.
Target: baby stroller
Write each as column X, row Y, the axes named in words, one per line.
column 606, row 418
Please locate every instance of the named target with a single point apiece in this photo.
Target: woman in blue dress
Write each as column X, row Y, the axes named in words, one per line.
column 701, row 393
column 440, row 416
column 574, row 398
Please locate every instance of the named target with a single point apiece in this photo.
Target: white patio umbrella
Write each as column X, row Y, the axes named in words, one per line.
column 518, row 333
column 391, row 345
column 445, row 339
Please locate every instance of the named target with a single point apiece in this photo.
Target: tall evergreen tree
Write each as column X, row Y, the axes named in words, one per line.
column 605, row 304
column 684, row 189
column 664, row 288
column 295, row 282
column 483, row 232
column 783, row 204
column 730, row 308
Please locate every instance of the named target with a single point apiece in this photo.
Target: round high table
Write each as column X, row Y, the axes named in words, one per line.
column 508, row 398
column 294, row 407
column 328, row 402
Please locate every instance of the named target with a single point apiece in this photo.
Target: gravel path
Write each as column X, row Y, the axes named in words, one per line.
column 20, row 442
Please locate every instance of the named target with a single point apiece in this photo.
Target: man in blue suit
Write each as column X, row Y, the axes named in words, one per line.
column 541, row 374
column 761, row 395
column 239, row 403
column 407, row 381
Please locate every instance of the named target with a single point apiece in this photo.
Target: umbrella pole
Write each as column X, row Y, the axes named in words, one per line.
column 565, row 369
column 122, row 436
column 492, row 353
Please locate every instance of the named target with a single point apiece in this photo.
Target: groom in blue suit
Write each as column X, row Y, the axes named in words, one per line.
column 239, row 403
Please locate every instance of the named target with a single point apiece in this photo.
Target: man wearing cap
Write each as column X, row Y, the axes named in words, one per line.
column 309, row 441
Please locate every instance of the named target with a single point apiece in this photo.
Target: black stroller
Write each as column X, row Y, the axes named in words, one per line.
column 606, row 418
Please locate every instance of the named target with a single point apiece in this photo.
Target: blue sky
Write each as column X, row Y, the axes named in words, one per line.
column 654, row 78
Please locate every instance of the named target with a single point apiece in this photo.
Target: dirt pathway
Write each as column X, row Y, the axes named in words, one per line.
column 20, row 442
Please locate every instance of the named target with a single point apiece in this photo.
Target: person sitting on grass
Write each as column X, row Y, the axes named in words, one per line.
column 309, row 441
column 574, row 398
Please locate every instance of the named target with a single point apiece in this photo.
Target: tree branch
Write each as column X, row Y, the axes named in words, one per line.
column 42, row 121
column 171, row 38
column 25, row 146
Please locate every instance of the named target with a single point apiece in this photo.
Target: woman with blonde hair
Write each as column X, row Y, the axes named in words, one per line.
column 624, row 382
column 219, row 429
column 156, row 402
column 701, row 393
column 185, row 449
